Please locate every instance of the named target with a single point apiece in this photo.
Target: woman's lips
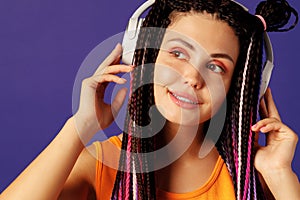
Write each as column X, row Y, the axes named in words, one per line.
column 184, row 100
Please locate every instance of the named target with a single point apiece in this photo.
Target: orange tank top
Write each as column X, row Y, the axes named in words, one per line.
column 218, row 186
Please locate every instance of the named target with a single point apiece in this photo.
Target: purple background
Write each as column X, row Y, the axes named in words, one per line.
column 42, row 45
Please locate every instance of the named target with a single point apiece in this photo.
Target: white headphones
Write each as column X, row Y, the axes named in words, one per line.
column 132, row 31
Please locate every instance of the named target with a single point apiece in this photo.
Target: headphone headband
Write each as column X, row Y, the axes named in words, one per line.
column 135, row 23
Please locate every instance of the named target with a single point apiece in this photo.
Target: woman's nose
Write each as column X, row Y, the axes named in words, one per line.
column 193, row 77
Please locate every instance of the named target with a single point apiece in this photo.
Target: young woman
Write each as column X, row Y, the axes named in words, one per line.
column 207, row 56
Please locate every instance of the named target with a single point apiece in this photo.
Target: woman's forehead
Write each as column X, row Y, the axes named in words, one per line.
column 212, row 34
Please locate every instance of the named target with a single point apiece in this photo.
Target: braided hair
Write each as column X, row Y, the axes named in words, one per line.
column 135, row 179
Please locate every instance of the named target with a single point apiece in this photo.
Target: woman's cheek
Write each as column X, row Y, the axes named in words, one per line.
column 165, row 75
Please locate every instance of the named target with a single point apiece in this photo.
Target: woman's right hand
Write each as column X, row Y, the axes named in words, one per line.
column 93, row 113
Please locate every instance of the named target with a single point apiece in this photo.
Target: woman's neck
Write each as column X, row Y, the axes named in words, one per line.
column 186, row 139
column 185, row 169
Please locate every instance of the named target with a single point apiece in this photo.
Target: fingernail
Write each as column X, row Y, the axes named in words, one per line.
column 117, row 45
column 254, row 126
column 122, row 80
column 263, row 129
column 131, row 67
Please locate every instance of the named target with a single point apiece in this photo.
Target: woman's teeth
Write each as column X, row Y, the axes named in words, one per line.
column 180, row 98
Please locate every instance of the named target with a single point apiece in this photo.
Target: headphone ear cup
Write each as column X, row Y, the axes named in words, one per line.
column 266, row 76
column 129, row 41
column 268, row 67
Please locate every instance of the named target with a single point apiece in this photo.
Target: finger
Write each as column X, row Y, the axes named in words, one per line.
column 277, row 131
column 263, row 123
column 113, row 57
column 102, row 81
column 94, row 81
column 110, row 78
column 256, row 144
column 118, row 101
column 263, row 112
column 116, row 61
column 114, row 69
column 273, row 126
column 271, row 107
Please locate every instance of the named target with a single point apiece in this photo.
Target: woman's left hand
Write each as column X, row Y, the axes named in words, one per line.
column 281, row 141
column 274, row 159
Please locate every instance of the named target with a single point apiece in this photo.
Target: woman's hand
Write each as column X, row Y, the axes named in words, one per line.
column 274, row 160
column 281, row 141
column 93, row 113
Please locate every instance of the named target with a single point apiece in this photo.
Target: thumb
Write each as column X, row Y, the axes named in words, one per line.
column 118, row 101
column 256, row 144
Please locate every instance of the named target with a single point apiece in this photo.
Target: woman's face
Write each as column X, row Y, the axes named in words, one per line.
column 194, row 68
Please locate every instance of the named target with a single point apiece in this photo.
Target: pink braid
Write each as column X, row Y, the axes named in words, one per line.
column 240, row 123
column 248, row 172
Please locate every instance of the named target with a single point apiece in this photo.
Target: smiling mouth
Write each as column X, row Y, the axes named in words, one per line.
column 184, row 100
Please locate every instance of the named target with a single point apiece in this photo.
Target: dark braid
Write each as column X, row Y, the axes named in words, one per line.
column 135, row 177
column 277, row 14
column 250, row 97
column 139, row 105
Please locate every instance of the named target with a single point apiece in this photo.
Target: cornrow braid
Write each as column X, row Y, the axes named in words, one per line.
column 135, row 179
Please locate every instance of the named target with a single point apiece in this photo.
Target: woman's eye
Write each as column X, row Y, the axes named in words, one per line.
column 180, row 55
column 215, row 68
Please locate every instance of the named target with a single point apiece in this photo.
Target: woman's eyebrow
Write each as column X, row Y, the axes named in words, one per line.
column 191, row 47
column 222, row 55
column 182, row 41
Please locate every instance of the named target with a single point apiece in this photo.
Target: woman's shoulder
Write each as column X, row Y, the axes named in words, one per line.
column 93, row 157
column 107, row 155
column 105, row 145
column 107, row 152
